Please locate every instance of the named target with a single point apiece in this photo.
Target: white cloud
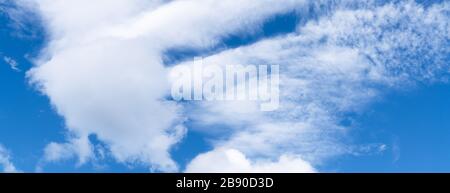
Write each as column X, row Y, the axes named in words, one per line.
column 232, row 161
column 329, row 67
column 103, row 72
column 200, row 23
column 5, row 161
column 76, row 146
column 12, row 63
column 20, row 19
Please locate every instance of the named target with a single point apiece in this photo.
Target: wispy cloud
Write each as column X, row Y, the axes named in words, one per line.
column 21, row 18
column 12, row 63
column 5, row 161
column 331, row 66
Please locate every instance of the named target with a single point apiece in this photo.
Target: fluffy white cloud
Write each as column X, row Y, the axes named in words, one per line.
column 5, row 161
column 102, row 69
column 232, row 161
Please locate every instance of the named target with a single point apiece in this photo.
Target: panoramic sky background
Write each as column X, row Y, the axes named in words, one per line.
column 364, row 86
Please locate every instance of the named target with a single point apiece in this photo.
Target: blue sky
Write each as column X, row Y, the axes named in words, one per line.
column 404, row 128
